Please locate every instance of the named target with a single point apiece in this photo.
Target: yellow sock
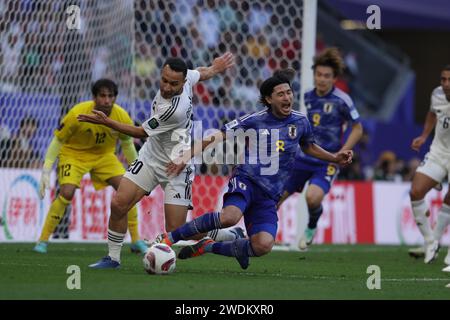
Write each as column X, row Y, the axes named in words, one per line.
column 133, row 224
column 54, row 215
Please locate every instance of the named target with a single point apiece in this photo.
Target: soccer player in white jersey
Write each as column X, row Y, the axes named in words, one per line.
column 169, row 133
column 434, row 168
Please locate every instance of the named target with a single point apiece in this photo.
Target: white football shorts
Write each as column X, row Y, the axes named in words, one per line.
column 433, row 167
column 177, row 190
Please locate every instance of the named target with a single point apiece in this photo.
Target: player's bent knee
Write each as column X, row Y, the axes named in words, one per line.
column 67, row 197
column 118, row 208
column 313, row 201
column 67, row 193
column 262, row 247
column 416, row 194
column 230, row 216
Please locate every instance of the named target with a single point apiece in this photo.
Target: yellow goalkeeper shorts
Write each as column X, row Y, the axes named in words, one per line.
column 71, row 170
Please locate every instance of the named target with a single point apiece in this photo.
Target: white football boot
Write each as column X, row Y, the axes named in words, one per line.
column 431, row 251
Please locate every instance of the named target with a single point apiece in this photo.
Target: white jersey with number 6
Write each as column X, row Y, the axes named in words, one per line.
column 441, row 107
column 436, row 163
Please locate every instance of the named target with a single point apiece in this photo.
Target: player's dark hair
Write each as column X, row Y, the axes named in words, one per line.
column 104, row 83
column 288, row 73
column 446, row 68
column 266, row 88
column 330, row 58
column 176, row 64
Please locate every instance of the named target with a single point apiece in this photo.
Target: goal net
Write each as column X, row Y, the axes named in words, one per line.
column 52, row 51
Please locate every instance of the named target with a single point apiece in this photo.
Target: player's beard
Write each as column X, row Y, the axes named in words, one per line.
column 166, row 95
column 447, row 94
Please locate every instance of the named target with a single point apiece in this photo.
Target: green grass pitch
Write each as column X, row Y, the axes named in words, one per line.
column 324, row 272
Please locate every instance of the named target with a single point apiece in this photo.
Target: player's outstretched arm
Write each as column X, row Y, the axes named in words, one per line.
column 342, row 158
column 50, row 158
column 430, row 122
column 175, row 167
column 99, row 117
column 219, row 65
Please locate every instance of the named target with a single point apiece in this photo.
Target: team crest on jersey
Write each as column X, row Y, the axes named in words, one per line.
column 153, row 123
column 328, row 107
column 292, row 131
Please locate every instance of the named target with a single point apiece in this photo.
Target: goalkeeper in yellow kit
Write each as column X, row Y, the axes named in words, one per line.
column 84, row 147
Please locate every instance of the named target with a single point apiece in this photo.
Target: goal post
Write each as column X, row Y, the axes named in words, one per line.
column 308, row 47
column 306, row 82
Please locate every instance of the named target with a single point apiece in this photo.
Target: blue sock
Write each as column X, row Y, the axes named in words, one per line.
column 204, row 223
column 237, row 248
column 314, row 215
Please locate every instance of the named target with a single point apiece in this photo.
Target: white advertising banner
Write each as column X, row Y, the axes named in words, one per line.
column 22, row 211
column 394, row 219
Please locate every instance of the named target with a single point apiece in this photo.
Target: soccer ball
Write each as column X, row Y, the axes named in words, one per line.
column 159, row 259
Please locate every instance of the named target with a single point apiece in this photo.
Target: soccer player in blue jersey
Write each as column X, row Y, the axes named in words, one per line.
column 329, row 110
column 257, row 184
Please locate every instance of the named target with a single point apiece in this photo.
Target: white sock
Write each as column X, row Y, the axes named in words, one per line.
column 419, row 209
column 115, row 241
column 443, row 220
column 221, row 235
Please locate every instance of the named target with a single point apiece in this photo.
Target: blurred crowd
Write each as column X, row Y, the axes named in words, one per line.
column 388, row 167
column 17, row 150
column 263, row 36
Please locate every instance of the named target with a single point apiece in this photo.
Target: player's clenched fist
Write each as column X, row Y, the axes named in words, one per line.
column 344, row 157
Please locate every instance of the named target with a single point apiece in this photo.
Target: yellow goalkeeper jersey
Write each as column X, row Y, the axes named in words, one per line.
column 87, row 141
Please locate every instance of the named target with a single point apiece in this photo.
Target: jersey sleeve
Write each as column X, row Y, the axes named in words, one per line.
column 307, row 137
column 67, row 127
column 125, row 118
column 155, row 125
column 349, row 111
column 193, row 76
column 240, row 123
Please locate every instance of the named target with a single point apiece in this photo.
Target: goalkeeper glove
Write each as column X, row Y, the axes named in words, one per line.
column 45, row 182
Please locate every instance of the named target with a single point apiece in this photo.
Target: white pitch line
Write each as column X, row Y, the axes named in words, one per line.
column 294, row 276
column 416, row 279
column 24, row 264
column 319, row 249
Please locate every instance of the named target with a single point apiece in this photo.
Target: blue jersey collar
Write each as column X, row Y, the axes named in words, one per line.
column 325, row 96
